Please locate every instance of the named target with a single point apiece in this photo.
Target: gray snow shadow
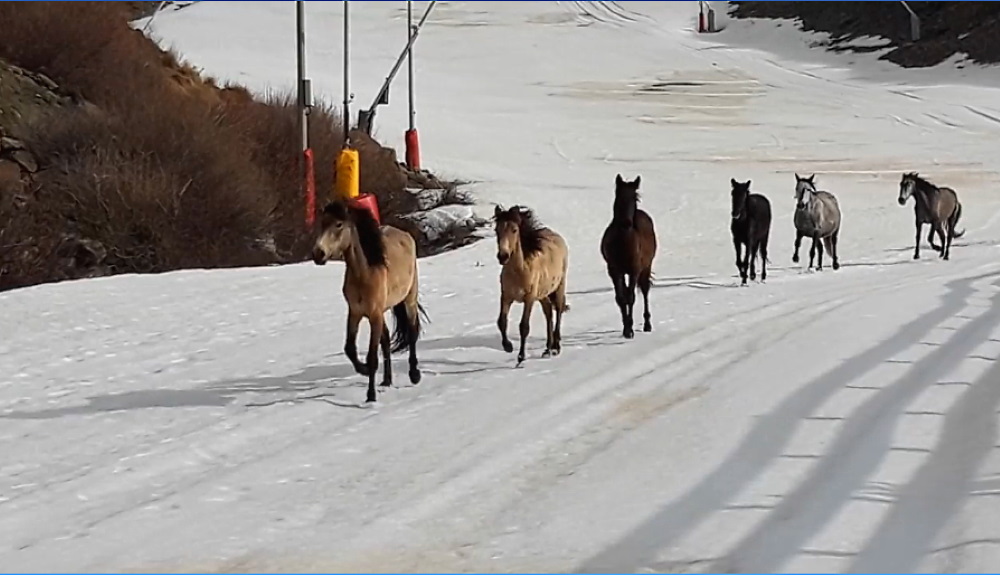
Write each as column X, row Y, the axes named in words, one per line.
column 851, row 458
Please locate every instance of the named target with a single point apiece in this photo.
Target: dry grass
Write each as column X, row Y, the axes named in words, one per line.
column 166, row 170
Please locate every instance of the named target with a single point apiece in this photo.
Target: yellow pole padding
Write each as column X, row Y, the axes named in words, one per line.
column 348, row 168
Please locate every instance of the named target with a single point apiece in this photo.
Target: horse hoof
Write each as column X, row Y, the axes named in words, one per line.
column 647, row 328
column 836, row 267
column 508, row 347
column 415, row 376
column 628, row 334
column 916, row 256
column 547, row 353
column 795, row 259
column 520, row 359
column 371, row 399
column 385, row 384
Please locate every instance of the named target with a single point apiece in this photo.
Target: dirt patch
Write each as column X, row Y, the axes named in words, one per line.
column 947, row 28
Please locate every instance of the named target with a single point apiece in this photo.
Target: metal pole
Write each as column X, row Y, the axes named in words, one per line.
column 402, row 56
column 914, row 22
column 347, row 74
column 409, row 61
column 300, row 28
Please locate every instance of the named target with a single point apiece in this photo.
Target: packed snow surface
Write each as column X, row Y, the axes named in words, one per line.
column 831, row 421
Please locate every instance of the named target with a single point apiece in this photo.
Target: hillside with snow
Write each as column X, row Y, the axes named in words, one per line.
column 830, row 421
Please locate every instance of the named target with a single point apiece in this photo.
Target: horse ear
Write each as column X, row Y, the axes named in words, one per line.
column 811, row 179
column 732, row 181
column 797, row 177
column 497, row 211
column 748, row 184
column 638, row 179
column 619, row 180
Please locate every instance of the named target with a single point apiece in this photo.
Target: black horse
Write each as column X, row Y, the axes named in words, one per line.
column 751, row 227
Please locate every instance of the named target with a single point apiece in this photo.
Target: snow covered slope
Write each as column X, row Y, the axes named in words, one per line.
column 823, row 421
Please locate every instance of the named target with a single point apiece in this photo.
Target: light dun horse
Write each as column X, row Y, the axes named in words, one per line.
column 628, row 247
column 750, row 227
column 381, row 274
column 937, row 206
column 534, row 260
column 817, row 216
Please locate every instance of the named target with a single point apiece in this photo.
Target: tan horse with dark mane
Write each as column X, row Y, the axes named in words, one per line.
column 381, row 275
column 534, row 260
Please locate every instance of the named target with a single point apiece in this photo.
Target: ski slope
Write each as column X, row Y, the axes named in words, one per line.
column 847, row 421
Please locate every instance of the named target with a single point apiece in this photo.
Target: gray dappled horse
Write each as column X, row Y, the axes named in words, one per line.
column 817, row 216
column 937, row 206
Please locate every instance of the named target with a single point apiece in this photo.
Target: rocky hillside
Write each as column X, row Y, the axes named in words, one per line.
column 972, row 28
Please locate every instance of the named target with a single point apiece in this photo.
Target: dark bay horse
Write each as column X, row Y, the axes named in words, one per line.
column 628, row 247
column 750, row 227
column 937, row 206
column 381, row 275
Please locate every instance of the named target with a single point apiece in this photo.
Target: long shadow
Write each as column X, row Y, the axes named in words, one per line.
column 854, row 455
column 765, row 442
column 926, row 503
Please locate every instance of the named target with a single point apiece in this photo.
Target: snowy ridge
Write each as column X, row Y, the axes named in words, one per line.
column 833, row 421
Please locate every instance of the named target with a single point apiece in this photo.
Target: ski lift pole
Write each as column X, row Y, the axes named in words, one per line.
column 347, row 166
column 366, row 123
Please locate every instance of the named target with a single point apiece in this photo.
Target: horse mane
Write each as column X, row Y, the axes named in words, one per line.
column 369, row 231
column 529, row 228
column 920, row 181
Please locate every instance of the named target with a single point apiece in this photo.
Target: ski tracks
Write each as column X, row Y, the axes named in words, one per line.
column 888, row 378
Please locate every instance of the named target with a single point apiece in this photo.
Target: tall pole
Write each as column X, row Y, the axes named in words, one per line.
column 300, row 33
column 347, row 73
column 409, row 61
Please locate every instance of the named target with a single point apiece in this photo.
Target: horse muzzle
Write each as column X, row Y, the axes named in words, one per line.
column 902, row 201
column 503, row 258
column 319, row 258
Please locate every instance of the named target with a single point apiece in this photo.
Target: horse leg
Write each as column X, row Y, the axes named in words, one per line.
column 818, row 242
column 645, row 277
column 386, row 359
column 739, row 259
column 525, row 327
column 930, row 240
column 546, row 304
column 798, row 243
column 763, row 259
column 835, row 251
column 377, row 323
column 939, row 228
column 558, row 299
column 351, row 344
column 754, row 250
column 621, row 299
column 812, row 253
column 629, row 331
column 505, row 303
column 916, row 242
column 413, row 313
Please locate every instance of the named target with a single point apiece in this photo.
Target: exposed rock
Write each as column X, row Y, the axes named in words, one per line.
column 8, row 143
column 81, row 258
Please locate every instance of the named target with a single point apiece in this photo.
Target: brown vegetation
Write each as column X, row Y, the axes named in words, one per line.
column 153, row 168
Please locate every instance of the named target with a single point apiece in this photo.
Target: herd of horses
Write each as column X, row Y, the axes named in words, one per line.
column 381, row 261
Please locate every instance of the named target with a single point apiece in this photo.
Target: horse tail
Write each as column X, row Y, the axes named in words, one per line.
column 958, row 216
column 407, row 328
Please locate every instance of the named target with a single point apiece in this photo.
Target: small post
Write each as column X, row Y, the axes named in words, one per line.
column 701, row 16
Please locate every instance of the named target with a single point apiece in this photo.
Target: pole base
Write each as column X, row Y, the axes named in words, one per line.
column 412, row 150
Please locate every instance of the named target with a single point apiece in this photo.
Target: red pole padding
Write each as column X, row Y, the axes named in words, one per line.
column 310, row 189
column 368, row 202
column 412, row 149
column 701, row 21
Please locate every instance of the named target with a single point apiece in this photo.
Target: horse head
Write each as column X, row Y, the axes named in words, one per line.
column 804, row 189
column 335, row 234
column 907, row 186
column 740, row 193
